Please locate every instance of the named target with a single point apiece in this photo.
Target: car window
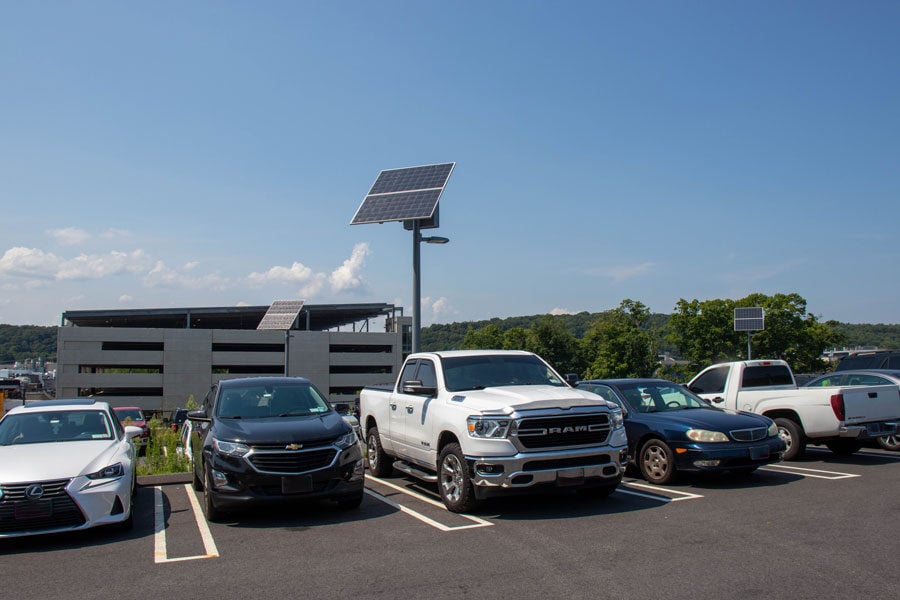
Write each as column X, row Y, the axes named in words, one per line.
column 711, row 382
column 408, row 373
column 659, row 397
column 132, row 413
column 259, row 401
column 827, row 381
column 766, row 375
column 56, row 426
column 603, row 391
column 426, row 374
column 865, row 379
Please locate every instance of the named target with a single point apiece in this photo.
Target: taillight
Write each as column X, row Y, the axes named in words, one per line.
column 837, row 405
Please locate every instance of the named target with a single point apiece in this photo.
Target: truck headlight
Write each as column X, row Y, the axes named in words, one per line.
column 773, row 430
column 487, row 427
column 703, row 435
column 616, row 419
column 230, row 448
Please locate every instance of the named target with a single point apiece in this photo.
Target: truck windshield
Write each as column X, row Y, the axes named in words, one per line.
column 494, row 370
column 264, row 401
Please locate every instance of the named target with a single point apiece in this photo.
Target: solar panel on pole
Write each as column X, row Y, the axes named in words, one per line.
column 281, row 315
column 407, row 194
column 749, row 319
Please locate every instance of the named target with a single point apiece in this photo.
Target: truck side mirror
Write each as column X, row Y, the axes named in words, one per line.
column 417, row 389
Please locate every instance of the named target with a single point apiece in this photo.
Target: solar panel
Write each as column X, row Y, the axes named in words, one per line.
column 281, row 315
column 749, row 319
column 404, row 194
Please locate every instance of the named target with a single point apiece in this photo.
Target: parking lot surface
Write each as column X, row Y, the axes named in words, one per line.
column 823, row 527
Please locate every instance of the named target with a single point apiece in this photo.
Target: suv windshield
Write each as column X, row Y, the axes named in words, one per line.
column 260, row 401
column 479, row 372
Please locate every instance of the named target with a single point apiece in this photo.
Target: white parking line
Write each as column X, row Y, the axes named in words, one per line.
column 160, row 553
column 804, row 472
column 477, row 522
column 660, row 490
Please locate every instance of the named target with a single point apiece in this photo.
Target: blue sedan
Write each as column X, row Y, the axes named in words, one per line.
column 671, row 430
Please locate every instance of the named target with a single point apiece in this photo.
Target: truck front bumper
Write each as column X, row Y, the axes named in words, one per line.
column 865, row 431
column 584, row 466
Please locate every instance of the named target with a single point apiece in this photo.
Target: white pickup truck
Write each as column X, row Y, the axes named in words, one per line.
column 489, row 421
column 839, row 417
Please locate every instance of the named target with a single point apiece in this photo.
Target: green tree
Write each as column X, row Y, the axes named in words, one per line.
column 515, row 338
column 552, row 341
column 619, row 345
column 487, row 337
column 704, row 332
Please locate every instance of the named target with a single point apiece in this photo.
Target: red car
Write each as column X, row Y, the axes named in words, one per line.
column 134, row 416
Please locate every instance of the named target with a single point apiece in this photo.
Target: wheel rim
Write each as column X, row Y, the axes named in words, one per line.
column 891, row 440
column 656, row 462
column 372, row 451
column 786, row 436
column 451, row 478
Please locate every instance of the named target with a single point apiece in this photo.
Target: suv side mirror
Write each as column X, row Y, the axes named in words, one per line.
column 198, row 415
column 342, row 408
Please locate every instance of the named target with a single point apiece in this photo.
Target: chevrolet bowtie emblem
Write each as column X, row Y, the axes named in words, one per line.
column 293, row 446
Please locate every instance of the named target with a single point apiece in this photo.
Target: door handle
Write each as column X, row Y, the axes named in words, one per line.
column 393, row 406
column 409, row 410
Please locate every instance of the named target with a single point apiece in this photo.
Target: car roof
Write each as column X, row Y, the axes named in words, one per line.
column 58, row 405
column 629, row 381
column 243, row 381
column 895, row 373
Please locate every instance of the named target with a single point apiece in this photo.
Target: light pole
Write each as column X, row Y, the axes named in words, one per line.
column 417, row 282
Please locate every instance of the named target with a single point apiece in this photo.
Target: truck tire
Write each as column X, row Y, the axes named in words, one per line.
column 657, row 462
column 843, row 447
column 890, row 442
column 380, row 464
column 455, row 481
column 792, row 434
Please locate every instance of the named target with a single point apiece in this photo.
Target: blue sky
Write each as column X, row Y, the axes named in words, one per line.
column 213, row 153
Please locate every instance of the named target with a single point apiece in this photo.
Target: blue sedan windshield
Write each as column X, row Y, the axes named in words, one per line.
column 658, row 398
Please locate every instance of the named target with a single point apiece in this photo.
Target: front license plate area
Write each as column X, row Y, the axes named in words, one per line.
column 759, row 452
column 296, row 484
column 33, row 510
column 570, row 477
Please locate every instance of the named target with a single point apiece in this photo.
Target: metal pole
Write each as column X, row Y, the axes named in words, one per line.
column 749, row 356
column 417, row 289
column 287, row 351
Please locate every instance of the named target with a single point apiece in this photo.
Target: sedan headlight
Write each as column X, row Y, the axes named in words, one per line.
column 703, row 435
column 348, row 440
column 487, row 427
column 773, row 430
column 230, row 448
column 110, row 472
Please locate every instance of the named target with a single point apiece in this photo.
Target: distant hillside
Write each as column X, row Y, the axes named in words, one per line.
column 21, row 342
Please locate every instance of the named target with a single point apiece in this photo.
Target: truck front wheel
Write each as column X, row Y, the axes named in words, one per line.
column 793, row 437
column 454, row 480
column 379, row 462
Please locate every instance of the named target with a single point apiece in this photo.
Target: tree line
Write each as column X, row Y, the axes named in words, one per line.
column 628, row 340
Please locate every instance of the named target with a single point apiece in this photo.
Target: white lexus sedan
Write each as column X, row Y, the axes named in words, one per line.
column 65, row 465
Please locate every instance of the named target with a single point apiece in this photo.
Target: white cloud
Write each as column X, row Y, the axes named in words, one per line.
column 164, row 276
column 69, row 236
column 561, row 311
column 347, row 276
column 97, row 266
column 296, row 272
column 125, row 299
column 29, row 262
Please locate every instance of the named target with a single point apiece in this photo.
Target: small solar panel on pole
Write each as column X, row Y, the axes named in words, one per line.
column 409, row 195
column 281, row 317
column 749, row 319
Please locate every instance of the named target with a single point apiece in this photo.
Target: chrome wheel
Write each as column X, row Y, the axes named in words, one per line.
column 656, row 462
column 890, row 442
column 452, row 478
column 373, row 450
column 785, row 435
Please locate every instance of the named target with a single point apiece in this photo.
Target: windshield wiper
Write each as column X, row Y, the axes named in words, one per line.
column 293, row 413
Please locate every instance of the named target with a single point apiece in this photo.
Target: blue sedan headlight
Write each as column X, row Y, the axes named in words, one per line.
column 773, row 430
column 704, row 435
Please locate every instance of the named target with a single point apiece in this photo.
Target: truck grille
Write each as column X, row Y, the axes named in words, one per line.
column 299, row 461
column 749, row 435
column 563, row 431
column 55, row 509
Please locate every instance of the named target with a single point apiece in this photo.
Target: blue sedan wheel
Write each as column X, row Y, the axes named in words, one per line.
column 657, row 462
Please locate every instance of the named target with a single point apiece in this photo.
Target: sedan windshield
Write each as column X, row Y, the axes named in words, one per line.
column 258, row 401
column 484, row 371
column 55, row 426
column 654, row 397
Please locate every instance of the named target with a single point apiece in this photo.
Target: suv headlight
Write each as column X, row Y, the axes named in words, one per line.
column 703, row 435
column 487, row 427
column 230, row 448
column 110, row 472
column 348, row 440
column 773, row 430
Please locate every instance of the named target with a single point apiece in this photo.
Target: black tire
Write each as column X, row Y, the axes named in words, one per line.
column 792, row 434
column 455, row 480
column 890, row 442
column 196, row 483
column 350, row 502
column 844, row 447
column 380, row 463
column 657, row 462
column 213, row 513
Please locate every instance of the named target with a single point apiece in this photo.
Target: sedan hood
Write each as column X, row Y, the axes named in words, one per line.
column 516, row 398
column 22, row 463
column 713, row 419
column 282, row 430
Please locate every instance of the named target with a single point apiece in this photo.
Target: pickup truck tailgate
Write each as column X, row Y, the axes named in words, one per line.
column 871, row 403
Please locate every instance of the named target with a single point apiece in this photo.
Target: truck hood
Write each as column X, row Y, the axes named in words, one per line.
column 516, row 398
column 282, row 430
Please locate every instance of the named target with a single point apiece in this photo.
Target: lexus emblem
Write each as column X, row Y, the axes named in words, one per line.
column 293, row 446
column 34, row 492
